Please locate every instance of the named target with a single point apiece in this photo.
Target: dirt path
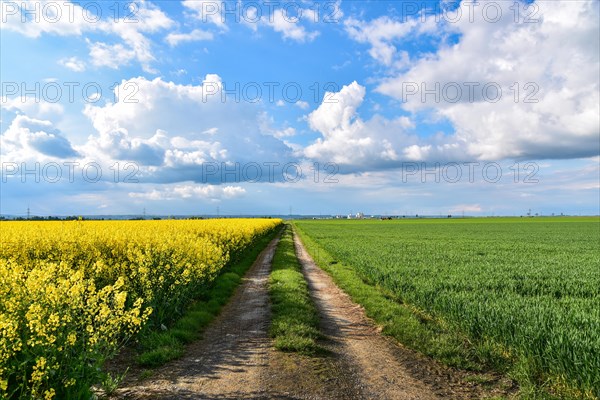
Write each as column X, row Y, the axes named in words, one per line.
column 231, row 359
column 354, row 340
column 235, row 358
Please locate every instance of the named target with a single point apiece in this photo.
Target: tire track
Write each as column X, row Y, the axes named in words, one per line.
column 371, row 359
column 231, row 360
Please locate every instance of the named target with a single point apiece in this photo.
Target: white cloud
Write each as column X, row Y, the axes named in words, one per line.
column 466, row 208
column 135, row 45
column 555, row 60
column 180, row 128
column 119, row 145
column 207, row 11
column 302, row 104
column 180, row 72
column 287, row 132
column 170, row 132
column 37, row 109
column 112, row 55
column 196, row 35
column 289, row 26
column 70, row 19
column 46, row 17
column 211, row 131
column 287, row 20
column 416, row 152
column 337, row 109
column 191, row 191
column 73, row 63
column 351, row 141
column 33, row 139
column 267, row 127
column 381, row 34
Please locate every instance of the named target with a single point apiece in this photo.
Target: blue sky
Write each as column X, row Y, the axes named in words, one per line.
column 414, row 107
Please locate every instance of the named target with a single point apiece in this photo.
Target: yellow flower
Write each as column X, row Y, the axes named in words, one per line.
column 49, row 394
column 74, row 290
column 71, row 338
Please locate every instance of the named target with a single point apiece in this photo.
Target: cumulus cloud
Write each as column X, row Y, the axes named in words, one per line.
column 211, row 131
column 33, row 108
column 59, row 18
column 134, row 45
column 466, row 208
column 553, row 62
column 118, row 144
column 47, row 17
column 351, row 141
column 115, row 55
column 287, row 132
column 359, row 144
column 383, row 33
column 207, row 11
column 73, row 63
column 196, row 35
column 290, row 26
column 28, row 138
column 302, row 104
column 170, row 132
column 290, row 21
column 181, row 128
column 191, row 191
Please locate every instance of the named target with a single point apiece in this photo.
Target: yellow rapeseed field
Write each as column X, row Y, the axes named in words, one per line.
column 72, row 292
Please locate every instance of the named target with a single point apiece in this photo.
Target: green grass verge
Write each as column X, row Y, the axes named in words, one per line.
column 158, row 347
column 295, row 320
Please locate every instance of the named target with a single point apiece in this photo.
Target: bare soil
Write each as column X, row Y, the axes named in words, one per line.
column 235, row 358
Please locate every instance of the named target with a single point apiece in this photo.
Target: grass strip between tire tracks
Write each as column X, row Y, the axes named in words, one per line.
column 295, row 320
